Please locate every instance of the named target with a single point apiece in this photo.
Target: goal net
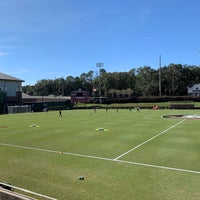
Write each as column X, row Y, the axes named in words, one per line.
column 19, row 109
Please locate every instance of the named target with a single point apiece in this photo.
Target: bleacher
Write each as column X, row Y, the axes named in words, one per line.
column 10, row 192
column 6, row 194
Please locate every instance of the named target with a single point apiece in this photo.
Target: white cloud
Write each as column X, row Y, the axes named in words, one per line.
column 3, row 53
column 23, row 71
column 144, row 14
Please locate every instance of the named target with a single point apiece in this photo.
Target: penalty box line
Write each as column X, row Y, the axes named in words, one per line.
column 143, row 143
column 102, row 158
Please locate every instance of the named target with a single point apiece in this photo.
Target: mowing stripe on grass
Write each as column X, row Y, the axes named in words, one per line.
column 102, row 158
column 149, row 139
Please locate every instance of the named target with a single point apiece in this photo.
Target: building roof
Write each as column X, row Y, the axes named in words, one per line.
column 44, row 98
column 9, row 78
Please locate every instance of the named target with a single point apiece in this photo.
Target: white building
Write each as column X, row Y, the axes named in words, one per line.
column 194, row 90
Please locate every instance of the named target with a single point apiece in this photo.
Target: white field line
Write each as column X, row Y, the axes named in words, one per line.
column 159, row 166
column 136, row 147
column 102, row 158
column 52, row 151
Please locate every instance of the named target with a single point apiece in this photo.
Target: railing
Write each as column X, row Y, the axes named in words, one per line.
column 11, row 189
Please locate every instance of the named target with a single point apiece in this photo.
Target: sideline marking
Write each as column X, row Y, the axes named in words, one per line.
column 54, row 151
column 136, row 147
column 158, row 166
column 102, row 158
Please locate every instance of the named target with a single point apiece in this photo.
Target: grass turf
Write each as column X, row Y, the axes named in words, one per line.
column 30, row 166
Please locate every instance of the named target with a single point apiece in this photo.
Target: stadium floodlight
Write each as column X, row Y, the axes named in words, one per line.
column 99, row 65
column 160, row 90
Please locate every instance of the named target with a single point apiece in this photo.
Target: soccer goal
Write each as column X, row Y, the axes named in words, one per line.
column 19, row 109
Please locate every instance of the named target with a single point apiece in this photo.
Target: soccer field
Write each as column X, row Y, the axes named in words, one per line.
column 121, row 154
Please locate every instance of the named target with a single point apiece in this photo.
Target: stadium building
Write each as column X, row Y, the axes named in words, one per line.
column 10, row 91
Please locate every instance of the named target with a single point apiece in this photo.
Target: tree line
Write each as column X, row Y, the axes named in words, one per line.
column 171, row 80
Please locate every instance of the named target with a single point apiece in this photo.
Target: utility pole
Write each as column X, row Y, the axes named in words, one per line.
column 160, row 92
column 99, row 65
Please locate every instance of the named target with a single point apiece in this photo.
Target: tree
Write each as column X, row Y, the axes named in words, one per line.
column 29, row 89
column 69, row 84
column 87, row 81
column 144, row 81
column 147, row 81
column 41, row 88
column 173, row 81
column 132, row 79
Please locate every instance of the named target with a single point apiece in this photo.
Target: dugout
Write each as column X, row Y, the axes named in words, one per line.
column 55, row 105
column 181, row 104
column 2, row 102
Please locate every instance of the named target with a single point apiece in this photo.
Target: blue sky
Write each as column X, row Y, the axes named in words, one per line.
column 48, row 39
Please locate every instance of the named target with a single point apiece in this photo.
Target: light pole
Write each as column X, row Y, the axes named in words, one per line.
column 160, row 91
column 99, row 65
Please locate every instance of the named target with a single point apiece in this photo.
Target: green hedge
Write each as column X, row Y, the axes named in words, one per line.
column 150, row 99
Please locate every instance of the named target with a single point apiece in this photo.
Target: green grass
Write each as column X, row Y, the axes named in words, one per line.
column 55, row 174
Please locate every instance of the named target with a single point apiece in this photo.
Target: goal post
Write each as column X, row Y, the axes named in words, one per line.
column 19, row 109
